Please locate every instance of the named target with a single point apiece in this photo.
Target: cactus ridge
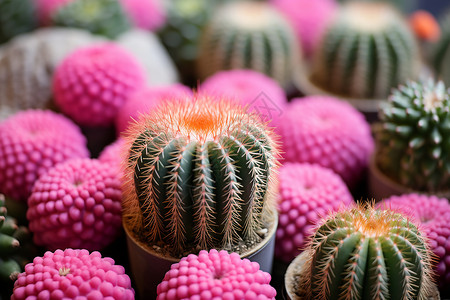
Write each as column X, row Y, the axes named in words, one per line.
column 202, row 174
column 365, row 253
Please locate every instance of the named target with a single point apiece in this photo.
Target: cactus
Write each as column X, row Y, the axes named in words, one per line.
column 16, row 17
column 363, row 253
column 200, row 174
column 367, row 50
column 404, row 5
column 413, row 138
column 440, row 54
column 104, row 17
column 249, row 35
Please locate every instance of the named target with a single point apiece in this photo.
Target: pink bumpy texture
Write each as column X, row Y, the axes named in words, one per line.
column 32, row 142
column 215, row 275
column 47, row 8
column 145, row 14
column 433, row 215
column 259, row 92
column 147, row 98
column 309, row 19
column 76, row 204
column 94, row 82
column 73, row 274
column 328, row 132
column 307, row 194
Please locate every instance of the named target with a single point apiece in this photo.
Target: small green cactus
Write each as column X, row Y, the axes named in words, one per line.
column 413, row 137
column 249, row 35
column 103, row 17
column 200, row 175
column 363, row 253
column 16, row 17
column 367, row 50
column 440, row 54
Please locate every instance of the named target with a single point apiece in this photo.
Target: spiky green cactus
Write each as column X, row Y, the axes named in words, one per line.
column 104, row 17
column 440, row 54
column 16, row 17
column 200, row 175
column 413, row 138
column 367, row 50
column 363, row 253
column 249, row 35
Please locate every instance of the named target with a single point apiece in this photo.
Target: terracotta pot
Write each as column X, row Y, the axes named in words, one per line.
column 149, row 267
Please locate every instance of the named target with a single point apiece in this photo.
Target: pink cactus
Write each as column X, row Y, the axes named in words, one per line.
column 47, row 8
column 32, row 142
column 143, row 100
column 307, row 193
column 93, row 83
column 250, row 88
column 145, row 14
column 73, row 274
column 309, row 19
column 76, row 204
column 328, row 132
column 215, row 275
column 433, row 215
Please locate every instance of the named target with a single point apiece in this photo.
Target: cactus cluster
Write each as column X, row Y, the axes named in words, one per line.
column 249, row 35
column 441, row 51
column 364, row 253
column 200, row 174
column 367, row 50
column 16, row 17
column 413, row 138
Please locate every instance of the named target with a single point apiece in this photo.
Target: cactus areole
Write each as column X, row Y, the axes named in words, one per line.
column 200, row 174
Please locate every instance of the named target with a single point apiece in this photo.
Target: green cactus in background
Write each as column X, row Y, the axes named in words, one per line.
column 404, row 5
column 363, row 253
column 103, row 17
column 200, row 175
column 16, row 17
column 440, row 54
column 413, row 138
column 249, row 35
column 367, row 50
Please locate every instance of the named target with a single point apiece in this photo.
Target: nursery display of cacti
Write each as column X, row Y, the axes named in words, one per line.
column 367, row 50
column 200, row 173
column 413, row 137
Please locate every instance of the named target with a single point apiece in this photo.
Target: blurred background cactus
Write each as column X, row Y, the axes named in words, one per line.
column 404, row 5
column 440, row 54
column 200, row 175
column 413, row 137
column 16, row 17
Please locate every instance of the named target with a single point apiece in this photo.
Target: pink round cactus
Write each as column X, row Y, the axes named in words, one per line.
column 260, row 93
column 143, row 100
column 145, row 14
column 328, row 132
column 307, row 194
column 215, row 275
column 76, row 204
column 32, row 142
column 73, row 274
column 308, row 18
column 94, row 82
column 433, row 215
column 112, row 154
column 46, row 8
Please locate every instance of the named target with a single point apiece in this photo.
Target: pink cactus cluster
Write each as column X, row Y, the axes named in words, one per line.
column 433, row 215
column 215, row 275
column 328, row 132
column 260, row 93
column 73, row 274
column 32, row 142
column 307, row 194
column 145, row 14
column 145, row 99
column 76, row 204
column 94, row 82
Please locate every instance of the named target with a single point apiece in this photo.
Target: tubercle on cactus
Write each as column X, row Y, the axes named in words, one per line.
column 199, row 172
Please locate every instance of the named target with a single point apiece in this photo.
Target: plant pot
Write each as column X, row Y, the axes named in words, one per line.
column 148, row 267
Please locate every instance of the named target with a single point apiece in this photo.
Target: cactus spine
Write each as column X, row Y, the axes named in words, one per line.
column 200, row 175
column 249, row 35
column 363, row 253
column 367, row 50
column 413, row 138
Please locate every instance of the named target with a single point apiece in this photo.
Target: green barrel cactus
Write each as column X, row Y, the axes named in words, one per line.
column 367, row 50
column 249, row 35
column 363, row 253
column 103, row 17
column 440, row 52
column 200, row 175
column 413, row 137
column 16, row 17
